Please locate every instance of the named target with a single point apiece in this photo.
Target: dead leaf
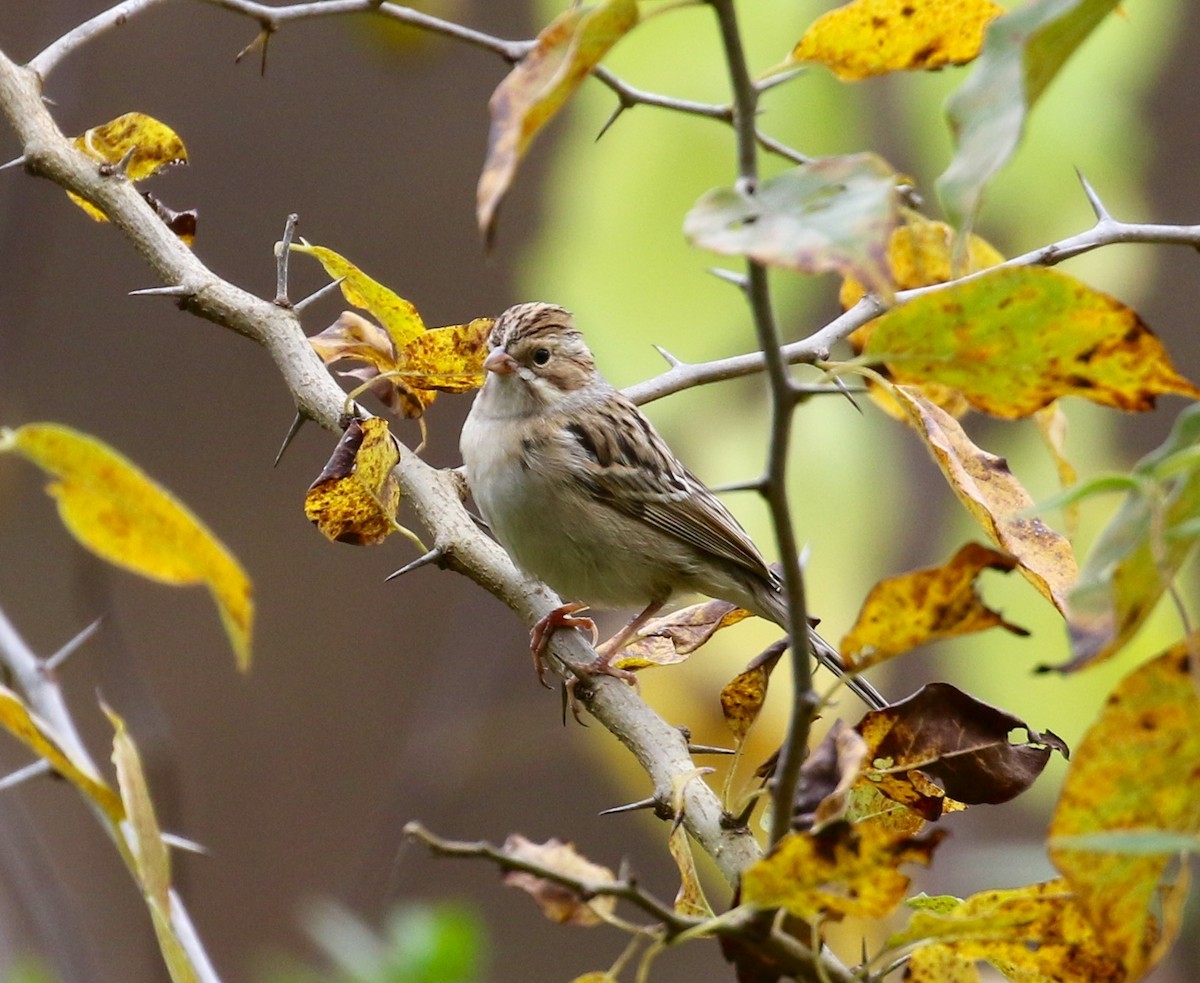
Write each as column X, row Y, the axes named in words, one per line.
column 826, row 777
column 559, row 902
column 672, row 638
column 354, row 499
column 924, row 606
column 742, row 698
column 563, row 55
column 942, row 734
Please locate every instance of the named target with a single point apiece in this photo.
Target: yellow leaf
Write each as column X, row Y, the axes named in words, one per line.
column 689, row 900
column 354, row 499
column 565, row 53
column 17, row 719
column 742, row 700
column 925, row 606
column 998, row 502
column 125, row 517
column 1035, row 934
column 397, row 315
column 1136, row 770
column 871, row 37
column 1017, row 338
column 843, row 870
column 448, row 359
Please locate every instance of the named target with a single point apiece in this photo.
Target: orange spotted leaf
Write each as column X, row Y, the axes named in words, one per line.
column 1015, row 339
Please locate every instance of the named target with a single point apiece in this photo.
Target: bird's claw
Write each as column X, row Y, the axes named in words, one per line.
column 560, row 617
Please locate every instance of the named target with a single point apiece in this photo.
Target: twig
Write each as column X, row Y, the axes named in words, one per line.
column 791, row 755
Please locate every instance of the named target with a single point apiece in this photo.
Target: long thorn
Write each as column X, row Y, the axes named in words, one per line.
column 171, row 290
column 670, row 359
column 739, row 280
column 709, row 749
column 1102, row 213
column 433, row 556
column 318, row 294
column 15, row 162
column 31, row 770
column 294, row 429
column 52, row 663
column 650, row 803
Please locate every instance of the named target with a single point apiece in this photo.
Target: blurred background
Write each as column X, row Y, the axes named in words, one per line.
column 372, row 703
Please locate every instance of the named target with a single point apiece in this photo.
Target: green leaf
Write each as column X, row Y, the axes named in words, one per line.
column 1022, row 53
column 830, row 215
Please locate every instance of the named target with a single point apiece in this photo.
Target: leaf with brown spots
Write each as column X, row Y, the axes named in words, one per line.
column 1034, row 933
column 920, row 254
column 1135, row 771
column 941, row 734
column 742, row 698
column 146, row 146
column 827, row 777
column 1138, row 554
column 563, row 55
column 123, row 516
column 673, row 637
column 991, row 493
column 405, row 364
column 925, row 606
column 832, row 214
column 1015, row 339
column 873, row 37
column 845, row 869
column 559, row 902
column 354, row 499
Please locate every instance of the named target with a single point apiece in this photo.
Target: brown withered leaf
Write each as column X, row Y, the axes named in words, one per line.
column 743, row 696
column 994, row 497
column 926, row 606
column 673, row 637
column 354, row 498
column 828, row 774
column 845, row 869
column 559, row 902
column 183, row 224
column 940, row 733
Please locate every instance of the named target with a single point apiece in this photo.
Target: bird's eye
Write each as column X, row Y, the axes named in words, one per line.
column 541, row 356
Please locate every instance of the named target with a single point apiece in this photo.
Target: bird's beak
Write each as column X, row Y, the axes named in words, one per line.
column 500, row 362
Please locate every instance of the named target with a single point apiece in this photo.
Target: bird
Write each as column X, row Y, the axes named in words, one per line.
column 584, row 494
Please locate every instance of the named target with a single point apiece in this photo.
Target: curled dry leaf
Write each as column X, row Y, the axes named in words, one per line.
column 410, row 363
column 925, row 606
column 1036, row 932
column 560, row 902
column 1139, row 552
column 845, row 869
column 828, row 774
column 354, row 499
column 1135, row 771
column 994, row 497
column 563, row 55
column 873, row 37
column 1015, row 339
column 689, row 899
column 123, row 516
column 941, row 734
column 151, row 146
column 673, row 637
column 835, row 214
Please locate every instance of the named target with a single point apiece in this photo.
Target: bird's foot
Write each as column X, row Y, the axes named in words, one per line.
column 560, row 617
